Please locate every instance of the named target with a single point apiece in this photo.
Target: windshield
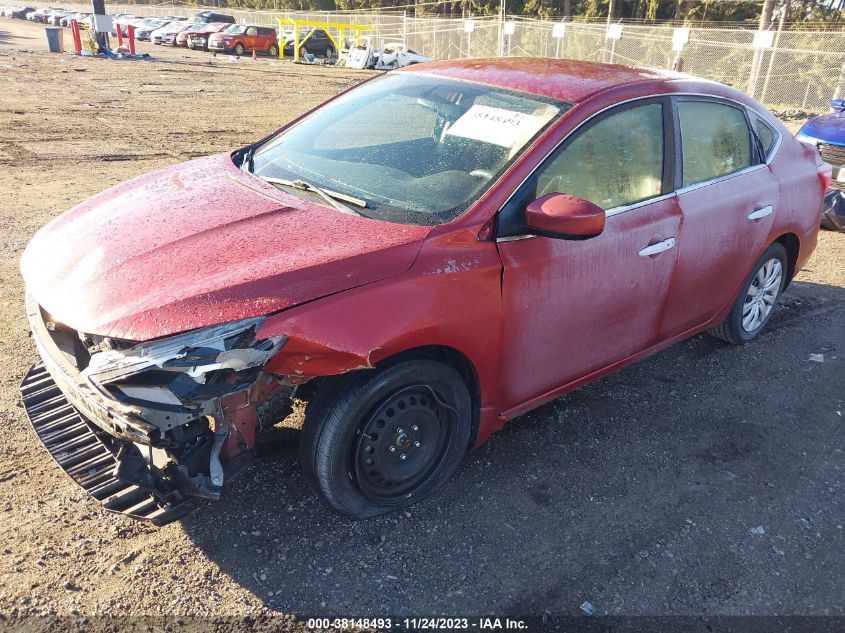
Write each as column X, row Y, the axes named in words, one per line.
column 236, row 29
column 417, row 149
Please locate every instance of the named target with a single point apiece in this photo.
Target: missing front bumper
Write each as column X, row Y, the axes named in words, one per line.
column 87, row 454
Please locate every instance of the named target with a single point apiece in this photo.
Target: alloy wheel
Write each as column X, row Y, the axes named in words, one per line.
column 762, row 295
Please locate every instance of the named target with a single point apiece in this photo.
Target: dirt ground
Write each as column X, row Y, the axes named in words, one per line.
column 641, row 494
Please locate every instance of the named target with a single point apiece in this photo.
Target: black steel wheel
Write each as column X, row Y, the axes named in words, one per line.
column 379, row 440
column 401, row 444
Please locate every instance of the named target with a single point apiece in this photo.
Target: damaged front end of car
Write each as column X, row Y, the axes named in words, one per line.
column 174, row 417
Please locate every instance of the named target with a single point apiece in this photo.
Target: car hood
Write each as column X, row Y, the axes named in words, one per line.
column 199, row 244
column 829, row 128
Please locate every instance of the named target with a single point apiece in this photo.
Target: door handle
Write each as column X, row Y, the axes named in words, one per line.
column 654, row 249
column 762, row 212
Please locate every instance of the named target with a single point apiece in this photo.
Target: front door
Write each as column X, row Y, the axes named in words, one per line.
column 574, row 307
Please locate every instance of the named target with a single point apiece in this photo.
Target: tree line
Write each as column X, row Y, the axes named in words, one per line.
column 690, row 11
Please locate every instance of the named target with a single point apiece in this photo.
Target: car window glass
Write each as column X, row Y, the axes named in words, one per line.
column 416, row 123
column 251, row 31
column 417, row 149
column 615, row 162
column 715, row 140
column 767, row 135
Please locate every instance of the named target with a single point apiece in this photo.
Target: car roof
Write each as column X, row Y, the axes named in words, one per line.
column 564, row 79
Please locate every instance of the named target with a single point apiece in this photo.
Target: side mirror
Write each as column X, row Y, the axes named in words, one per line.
column 562, row 216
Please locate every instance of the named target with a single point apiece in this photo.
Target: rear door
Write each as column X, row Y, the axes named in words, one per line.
column 729, row 199
column 266, row 37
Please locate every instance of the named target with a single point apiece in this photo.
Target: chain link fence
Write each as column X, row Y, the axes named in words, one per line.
column 801, row 69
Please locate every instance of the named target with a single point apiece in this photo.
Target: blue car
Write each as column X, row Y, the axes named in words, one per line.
column 827, row 132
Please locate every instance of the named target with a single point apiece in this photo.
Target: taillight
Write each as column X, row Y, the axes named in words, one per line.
column 825, row 176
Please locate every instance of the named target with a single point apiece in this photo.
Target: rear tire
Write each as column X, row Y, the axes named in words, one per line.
column 756, row 301
column 376, row 441
column 330, row 52
column 273, row 51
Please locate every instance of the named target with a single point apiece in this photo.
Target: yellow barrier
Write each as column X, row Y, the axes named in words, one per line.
column 297, row 43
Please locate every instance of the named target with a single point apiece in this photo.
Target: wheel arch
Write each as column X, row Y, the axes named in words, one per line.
column 447, row 355
column 455, row 359
column 792, row 244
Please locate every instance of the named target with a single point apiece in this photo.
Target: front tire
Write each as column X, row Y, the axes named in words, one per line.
column 239, row 49
column 376, row 441
column 756, row 301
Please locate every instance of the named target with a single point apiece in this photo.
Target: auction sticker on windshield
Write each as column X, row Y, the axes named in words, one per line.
column 496, row 125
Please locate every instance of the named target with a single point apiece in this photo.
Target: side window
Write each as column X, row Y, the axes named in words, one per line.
column 768, row 136
column 615, row 162
column 715, row 140
column 252, row 31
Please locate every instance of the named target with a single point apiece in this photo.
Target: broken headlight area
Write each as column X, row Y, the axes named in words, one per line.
column 205, row 392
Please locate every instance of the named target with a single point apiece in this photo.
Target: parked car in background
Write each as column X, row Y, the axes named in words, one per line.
column 119, row 19
column 208, row 17
column 55, row 17
column 557, row 222
column 182, row 36
column 76, row 15
column 198, row 38
column 319, row 43
column 167, row 34
column 143, row 30
column 125, row 21
column 38, row 14
column 20, row 13
column 827, row 134
column 243, row 38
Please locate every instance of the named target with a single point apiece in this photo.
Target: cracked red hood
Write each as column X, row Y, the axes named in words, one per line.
column 199, row 244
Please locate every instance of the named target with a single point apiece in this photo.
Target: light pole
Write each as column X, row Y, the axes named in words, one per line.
column 502, row 28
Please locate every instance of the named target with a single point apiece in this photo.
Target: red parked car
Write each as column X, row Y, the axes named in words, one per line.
column 198, row 39
column 182, row 38
column 509, row 232
column 243, row 38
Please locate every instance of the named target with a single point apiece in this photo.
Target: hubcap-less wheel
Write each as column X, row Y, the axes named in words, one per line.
column 402, row 444
column 762, row 295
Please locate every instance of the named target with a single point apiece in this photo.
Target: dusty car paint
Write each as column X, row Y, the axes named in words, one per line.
column 241, row 248
column 347, row 292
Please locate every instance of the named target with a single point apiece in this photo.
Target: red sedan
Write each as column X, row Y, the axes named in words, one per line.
column 182, row 39
column 420, row 259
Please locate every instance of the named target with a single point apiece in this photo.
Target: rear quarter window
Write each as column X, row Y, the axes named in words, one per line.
column 768, row 136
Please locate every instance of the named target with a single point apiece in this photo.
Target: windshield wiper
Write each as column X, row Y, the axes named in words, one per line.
column 334, row 198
